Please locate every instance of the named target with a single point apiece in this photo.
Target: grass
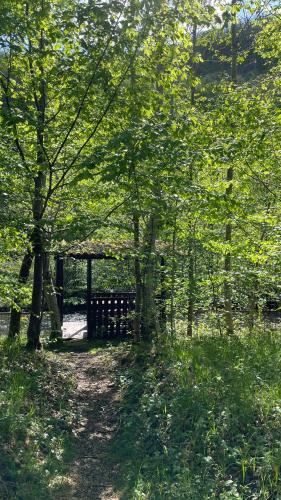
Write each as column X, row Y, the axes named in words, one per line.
column 36, row 419
column 201, row 419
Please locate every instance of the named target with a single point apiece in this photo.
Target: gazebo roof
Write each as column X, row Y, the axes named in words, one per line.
column 103, row 249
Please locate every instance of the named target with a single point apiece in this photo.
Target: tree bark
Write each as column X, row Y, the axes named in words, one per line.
column 15, row 318
column 34, row 327
column 51, row 300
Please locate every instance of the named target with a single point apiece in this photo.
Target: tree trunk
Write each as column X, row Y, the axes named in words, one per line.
column 227, row 266
column 148, row 298
column 191, row 275
column 34, row 327
column 228, row 315
column 15, row 318
column 193, row 64
column 138, row 306
column 191, row 288
column 234, row 47
column 253, row 312
column 229, row 177
column 163, row 298
column 173, row 280
column 51, row 300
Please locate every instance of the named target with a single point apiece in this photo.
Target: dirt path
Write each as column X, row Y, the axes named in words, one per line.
column 93, row 473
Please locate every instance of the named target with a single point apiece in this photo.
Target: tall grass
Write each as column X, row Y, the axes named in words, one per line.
column 201, row 419
column 36, row 416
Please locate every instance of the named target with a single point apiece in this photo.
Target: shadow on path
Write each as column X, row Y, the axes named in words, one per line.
column 93, row 472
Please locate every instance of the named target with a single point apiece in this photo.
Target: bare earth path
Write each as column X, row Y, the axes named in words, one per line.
column 93, row 473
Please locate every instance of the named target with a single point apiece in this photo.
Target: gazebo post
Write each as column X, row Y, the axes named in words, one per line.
column 89, row 293
column 59, row 283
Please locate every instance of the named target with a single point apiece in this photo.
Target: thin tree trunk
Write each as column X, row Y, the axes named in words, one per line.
column 173, row 279
column 51, row 300
column 227, row 285
column 138, row 306
column 229, row 177
column 193, row 64
column 191, row 287
column 136, row 219
column 15, row 318
column 253, row 312
column 228, row 314
column 148, row 299
column 234, row 46
column 191, row 247
column 163, row 297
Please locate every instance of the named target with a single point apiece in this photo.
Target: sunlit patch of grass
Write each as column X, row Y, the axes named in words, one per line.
column 36, row 419
column 201, row 419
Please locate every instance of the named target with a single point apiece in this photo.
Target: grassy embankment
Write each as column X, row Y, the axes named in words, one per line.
column 202, row 420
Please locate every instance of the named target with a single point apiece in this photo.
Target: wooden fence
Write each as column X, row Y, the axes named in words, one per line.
column 110, row 314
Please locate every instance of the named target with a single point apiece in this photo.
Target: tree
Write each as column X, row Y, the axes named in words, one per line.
column 42, row 41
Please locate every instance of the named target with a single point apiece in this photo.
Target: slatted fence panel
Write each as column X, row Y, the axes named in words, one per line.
column 110, row 314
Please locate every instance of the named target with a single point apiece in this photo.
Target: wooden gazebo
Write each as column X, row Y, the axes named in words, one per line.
column 108, row 314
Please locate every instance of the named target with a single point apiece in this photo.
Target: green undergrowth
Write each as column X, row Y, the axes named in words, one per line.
column 201, row 419
column 85, row 346
column 36, row 418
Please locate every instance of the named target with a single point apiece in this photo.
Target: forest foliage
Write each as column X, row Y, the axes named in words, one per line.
column 156, row 125
column 143, row 121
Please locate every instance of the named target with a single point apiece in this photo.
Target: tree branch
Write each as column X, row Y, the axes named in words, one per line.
column 104, row 113
column 113, row 209
column 90, row 83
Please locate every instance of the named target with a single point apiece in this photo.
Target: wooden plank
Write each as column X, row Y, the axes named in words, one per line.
column 118, row 316
column 99, row 316
column 111, row 317
column 125, row 313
